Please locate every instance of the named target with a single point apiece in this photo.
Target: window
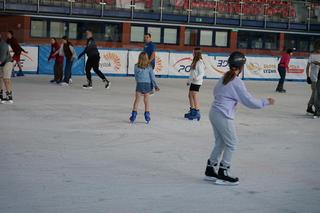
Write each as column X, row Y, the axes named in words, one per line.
column 221, row 39
column 258, row 40
column 191, row 37
column 38, row 29
column 197, row 37
column 73, row 31
column 155, row 34
column 303, row 43
column 112, row 32
column 206, row 37
column 170, row 36
column 57, row 29
column 159, row 34
column 137, row 34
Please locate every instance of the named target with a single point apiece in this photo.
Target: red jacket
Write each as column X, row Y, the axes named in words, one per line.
column 54, row 48
column 16, row 48
column 285, row 60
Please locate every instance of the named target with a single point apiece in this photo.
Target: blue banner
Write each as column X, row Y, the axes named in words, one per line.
column 46, row 67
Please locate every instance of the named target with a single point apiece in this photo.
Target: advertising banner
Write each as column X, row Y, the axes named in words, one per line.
column 297, row 69
column 46, row 67
column 29, row 61
column 261, row 68
column 113, row 61
column 162, row 62
column 180, row 64
column 216, row 66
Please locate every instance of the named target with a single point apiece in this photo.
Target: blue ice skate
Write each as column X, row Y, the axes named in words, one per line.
column 195, row 115
column 147, row 117
column 187, row 115
column 133, row 116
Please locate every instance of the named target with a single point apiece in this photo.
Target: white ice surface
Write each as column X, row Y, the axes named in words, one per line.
column 69, row 150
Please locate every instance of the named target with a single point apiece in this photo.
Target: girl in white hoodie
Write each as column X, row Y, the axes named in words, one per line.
column 195, row 82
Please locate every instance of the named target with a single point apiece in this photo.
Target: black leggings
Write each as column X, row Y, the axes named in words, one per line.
column 93, row 63
column 282, row 72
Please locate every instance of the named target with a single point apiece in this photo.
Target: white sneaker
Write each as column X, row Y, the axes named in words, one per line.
column 70, row 81
column 64, row 84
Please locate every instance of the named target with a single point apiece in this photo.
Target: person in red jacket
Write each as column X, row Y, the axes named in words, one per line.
column 283, row 67
column 58, row 64
column 17, row 50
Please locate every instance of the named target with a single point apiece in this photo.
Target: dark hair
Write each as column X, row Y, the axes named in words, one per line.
column 148, row 34
column 230, row 75
column 291, row 50
column 11, row 32
column 197, row 56
column 65, row 38
column 54, row 39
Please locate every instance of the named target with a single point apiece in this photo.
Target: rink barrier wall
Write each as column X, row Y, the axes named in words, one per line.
column 169, row 64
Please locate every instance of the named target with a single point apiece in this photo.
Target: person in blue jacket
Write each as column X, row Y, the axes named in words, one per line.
column 145, row 80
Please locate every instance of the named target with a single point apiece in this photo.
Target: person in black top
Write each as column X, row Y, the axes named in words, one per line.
column 93, row 61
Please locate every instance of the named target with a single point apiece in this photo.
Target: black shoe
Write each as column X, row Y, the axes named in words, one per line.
column 9, row 98
column 108, row 83
column 310, row 110
column 87, row 86
column 224, row 178
column 53, row 81
column 210, row 172
column 2, row 99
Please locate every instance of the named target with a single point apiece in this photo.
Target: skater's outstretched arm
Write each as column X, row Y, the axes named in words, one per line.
column 247, row 99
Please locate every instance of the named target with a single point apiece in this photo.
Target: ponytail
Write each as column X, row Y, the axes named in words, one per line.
column 229, row 76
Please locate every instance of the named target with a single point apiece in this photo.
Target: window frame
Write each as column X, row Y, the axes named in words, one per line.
column 161, row 33
column 213, row 37
column 250, row 35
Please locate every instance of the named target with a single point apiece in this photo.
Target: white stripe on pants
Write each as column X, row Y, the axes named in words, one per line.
column 225, row 138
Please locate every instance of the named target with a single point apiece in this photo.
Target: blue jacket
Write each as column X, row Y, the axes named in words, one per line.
column 145, row 75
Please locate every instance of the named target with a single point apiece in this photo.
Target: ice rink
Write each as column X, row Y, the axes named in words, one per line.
column 69, row 150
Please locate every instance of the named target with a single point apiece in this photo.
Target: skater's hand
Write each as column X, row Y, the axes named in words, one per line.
column 309, row 80
column 157, row 89
column 271, row 101
column 188, row 83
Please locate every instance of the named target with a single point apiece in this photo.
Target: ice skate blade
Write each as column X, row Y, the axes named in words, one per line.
column 86, row 87
column 225, row 183
column 315, row 117
column 208, row 178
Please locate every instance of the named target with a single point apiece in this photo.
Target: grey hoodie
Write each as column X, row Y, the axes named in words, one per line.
column 4, row 53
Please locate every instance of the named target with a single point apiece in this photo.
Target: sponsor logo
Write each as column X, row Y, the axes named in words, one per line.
column 181, row 66
column 265, row 68
column 159, row 65
column 296, row 69
column 112, row 61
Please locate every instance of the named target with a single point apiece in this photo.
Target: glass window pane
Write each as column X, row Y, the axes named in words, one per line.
column 271, row 41
column 137, row 34
column 206, row 37
column 191, row 37
column 57, row 29
column 73, row 30
column 112, row 32
column 155, row 34
column 257, row 42
column 38, row 28
column 170, row 36
column 221, row 39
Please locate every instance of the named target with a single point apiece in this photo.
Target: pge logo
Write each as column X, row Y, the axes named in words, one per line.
column 181, row 65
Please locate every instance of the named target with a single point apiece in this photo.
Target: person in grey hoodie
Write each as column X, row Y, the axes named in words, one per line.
column 6, row 67
column 229, row 91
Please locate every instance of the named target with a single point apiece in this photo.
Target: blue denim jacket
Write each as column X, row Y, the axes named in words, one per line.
column 145, row 75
